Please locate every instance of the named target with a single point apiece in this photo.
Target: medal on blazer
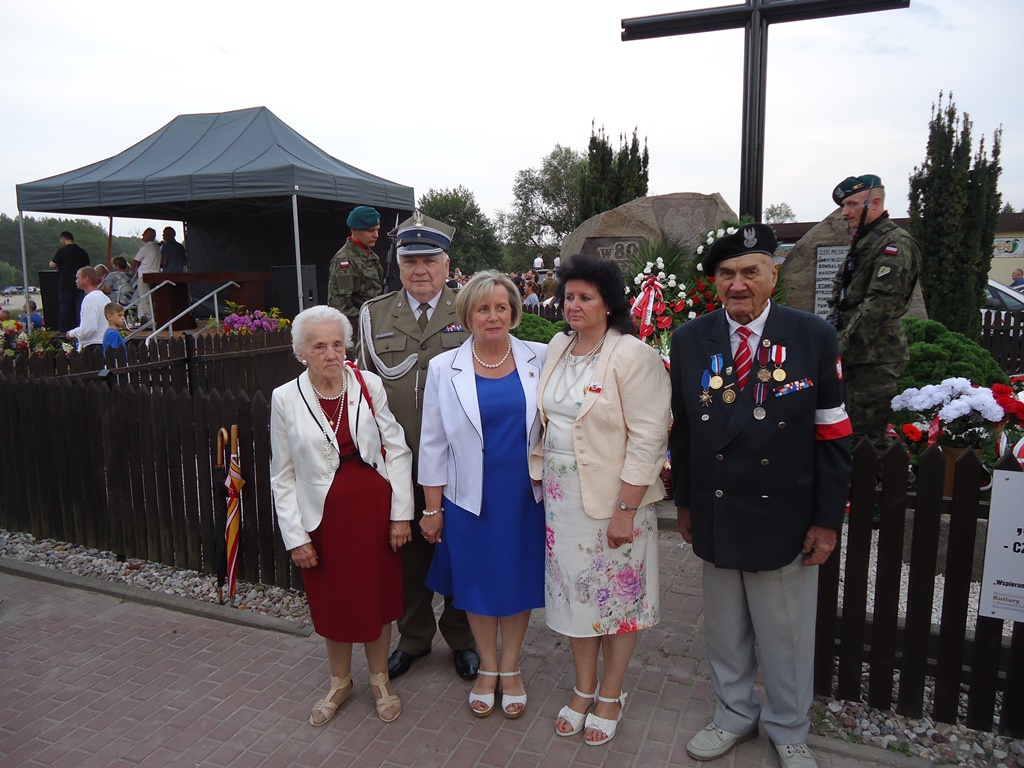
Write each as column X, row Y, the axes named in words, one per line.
column 778, row 355
column 760, row 393
column 729, row 395
column 716, row 369
column 705, row 396
column 763, row 358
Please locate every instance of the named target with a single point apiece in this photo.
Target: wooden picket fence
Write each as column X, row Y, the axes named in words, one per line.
column 955, row 653
column 1002, row 334
column 129, row 468
column 228, row 363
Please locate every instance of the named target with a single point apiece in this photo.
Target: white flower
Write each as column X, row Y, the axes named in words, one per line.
column 672, row 281
column 649, row 265
column 661, row 275
column 700, row 267
column 647, row 269
column 690, row 315
column 700, row 250
column 731, row 231
column 721, row 233
column 711, row 238
column 638, row 279
column 660, row 263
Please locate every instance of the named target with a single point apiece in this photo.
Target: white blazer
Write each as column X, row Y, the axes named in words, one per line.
column 300, row 475
column 452, row 437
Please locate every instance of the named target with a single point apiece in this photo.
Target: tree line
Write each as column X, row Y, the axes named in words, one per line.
column 42, row 239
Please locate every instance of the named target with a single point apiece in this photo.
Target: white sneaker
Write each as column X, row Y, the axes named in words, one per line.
column 795, row 756
column 713, row 742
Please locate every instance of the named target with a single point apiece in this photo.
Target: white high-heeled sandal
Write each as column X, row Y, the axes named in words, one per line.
column 607, row 727
column 487, row 699
column 574, row 718
column 507, row 699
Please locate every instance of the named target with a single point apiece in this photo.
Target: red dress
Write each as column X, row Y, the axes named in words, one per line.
column 356, row 587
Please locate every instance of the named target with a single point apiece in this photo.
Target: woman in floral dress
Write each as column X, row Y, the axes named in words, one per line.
column 605, row 400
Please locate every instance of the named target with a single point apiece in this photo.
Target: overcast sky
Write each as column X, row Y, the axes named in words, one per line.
column 444, row 93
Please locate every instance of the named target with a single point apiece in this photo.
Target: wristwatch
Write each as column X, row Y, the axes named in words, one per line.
column 625, row 508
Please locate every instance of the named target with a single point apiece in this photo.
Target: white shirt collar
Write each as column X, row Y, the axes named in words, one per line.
column 416, row 304
column 755, row 326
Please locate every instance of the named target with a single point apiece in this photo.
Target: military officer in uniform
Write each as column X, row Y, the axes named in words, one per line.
column 870, row 295
column 400, row 332
column 355, row 274
column 760, row 472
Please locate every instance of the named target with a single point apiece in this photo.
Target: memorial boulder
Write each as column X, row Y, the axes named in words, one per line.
column 812, row 263
column 682, row 217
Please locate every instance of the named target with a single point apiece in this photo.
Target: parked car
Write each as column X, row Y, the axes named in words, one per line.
column 11, row 290
column 1003, row 298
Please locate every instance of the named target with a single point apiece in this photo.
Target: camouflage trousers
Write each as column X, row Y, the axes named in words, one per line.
column 869, row 390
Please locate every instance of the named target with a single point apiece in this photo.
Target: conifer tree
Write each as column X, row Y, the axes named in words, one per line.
column 954, row 210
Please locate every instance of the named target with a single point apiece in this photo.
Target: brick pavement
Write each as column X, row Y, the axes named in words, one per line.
column 91, row 679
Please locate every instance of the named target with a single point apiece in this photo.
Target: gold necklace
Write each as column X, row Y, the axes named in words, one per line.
column 583, row 364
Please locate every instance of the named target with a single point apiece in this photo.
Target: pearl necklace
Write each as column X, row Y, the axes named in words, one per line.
column 585, row 360
column 472, row 346
column 337, row 423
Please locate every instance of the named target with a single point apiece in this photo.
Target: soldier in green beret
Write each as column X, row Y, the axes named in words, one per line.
column 870, row 295
column 355, row 274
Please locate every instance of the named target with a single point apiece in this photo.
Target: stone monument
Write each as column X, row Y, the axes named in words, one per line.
column 812, row 263
column 618, row 234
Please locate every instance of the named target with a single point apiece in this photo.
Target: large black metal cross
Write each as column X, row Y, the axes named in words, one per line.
column 754, row 16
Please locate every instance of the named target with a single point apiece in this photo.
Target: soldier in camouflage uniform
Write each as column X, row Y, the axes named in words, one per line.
column 870, row 295
column 355, row 272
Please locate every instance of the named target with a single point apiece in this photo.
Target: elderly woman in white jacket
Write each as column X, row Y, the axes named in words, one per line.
column 480, row 422
column 341, row 474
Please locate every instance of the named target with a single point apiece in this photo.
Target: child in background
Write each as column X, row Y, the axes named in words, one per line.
column 112, row 339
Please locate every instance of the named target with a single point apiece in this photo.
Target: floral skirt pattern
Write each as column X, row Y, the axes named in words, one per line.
column 590, row 588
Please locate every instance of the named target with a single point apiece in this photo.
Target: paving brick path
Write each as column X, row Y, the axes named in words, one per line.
column 90, row 679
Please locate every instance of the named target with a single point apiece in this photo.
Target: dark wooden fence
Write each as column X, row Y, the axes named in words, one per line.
column 1002, row 334
column 125, row 463
column 956, row 652
column 240, row 363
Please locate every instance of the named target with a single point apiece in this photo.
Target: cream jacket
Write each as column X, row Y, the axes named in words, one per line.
column 299, row 472
column 452, row 437
column 621, row 431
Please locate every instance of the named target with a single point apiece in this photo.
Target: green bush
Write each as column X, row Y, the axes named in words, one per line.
column 937, row 354
column 535, row 328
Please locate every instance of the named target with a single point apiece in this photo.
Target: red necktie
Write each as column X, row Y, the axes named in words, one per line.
column 743, row 359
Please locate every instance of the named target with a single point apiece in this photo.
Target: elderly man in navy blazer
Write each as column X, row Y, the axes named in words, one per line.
column 760, row 470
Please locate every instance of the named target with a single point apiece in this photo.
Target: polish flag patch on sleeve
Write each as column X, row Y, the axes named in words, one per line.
column 839, row 368
column 891, row 250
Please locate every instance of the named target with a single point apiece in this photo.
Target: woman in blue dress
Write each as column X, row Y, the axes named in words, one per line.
column 480, row 423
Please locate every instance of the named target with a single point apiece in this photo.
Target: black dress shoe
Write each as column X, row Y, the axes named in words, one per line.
column 467, row 663
column 399, row 662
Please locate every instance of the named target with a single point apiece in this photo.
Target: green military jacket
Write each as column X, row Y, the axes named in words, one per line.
column 886, row 265
column 393, row 338
column 355, row 277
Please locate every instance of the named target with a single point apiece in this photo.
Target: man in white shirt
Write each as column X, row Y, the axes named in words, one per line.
column 146, row 261
column 538, row 263
column 94, row 323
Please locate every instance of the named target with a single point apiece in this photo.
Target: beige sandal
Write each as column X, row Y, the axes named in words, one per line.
column 327, row 708
column 387, row 700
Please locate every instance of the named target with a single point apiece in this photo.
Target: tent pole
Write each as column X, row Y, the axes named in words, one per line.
column 110, row 241
column 298, row 254
column 24, row 267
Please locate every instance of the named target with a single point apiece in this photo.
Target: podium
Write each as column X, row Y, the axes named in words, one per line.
column 172, row 300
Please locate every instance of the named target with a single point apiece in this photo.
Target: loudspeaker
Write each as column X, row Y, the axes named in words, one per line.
column 285, row 294
column 49, row 294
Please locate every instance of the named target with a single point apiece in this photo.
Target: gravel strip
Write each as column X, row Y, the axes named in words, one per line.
column 855, row 722
column 82, row 561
